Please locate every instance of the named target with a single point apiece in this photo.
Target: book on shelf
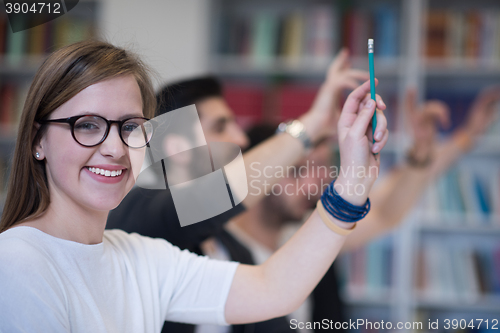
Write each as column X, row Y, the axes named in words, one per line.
column 246, row 101
column 367, row 271
column 451, row 272
column 290, row 101
column 3, row 33
column 357, row 29
column 436, row 34
column 36, row 40
column 16, row 47
column 288, row 35
column 312, row 34
column 380, row 23
column 464, row 197
column 455, row 34
column 12, row 97
column 494, row 129
column 7, row 99
column 321, row 22
column 292, row 41
column 264, row 36
column 386, row 31
column 41, row 39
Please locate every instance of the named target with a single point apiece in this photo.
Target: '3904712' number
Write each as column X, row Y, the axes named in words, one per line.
column 36, row 8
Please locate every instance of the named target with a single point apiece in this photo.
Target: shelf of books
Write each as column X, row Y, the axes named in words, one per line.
column 301, row 37
column 272, row 57
column 458, row 273
column 463, row 39
column 21, row 54
column 456, row 260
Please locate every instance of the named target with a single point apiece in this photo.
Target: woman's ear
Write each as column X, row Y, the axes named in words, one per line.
column 37, row 144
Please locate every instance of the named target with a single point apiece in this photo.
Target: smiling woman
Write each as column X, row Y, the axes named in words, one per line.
column 66, row 73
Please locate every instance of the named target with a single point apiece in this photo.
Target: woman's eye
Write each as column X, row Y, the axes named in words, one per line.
column 86, row 126
column 129, row 127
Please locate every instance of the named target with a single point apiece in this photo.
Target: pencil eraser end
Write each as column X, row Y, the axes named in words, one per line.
column 370, row 41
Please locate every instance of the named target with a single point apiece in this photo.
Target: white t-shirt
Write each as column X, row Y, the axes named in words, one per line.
column 127, row 283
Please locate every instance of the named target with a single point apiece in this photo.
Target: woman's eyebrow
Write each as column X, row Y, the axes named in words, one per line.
column 132, row 115
column 125, row 116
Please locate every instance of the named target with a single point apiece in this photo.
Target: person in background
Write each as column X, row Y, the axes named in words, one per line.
column 152, row 212
column 260, row 229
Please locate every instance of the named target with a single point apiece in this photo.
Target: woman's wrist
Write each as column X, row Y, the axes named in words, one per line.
column 311, row 126
column 352, row 191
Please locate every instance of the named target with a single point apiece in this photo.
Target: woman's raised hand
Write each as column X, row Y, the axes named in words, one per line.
column 359, row 163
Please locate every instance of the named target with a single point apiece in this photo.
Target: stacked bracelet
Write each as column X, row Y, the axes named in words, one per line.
column 341, row 209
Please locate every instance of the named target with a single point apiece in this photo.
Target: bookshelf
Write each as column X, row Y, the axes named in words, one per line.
column 269, row 51
column 21, row 54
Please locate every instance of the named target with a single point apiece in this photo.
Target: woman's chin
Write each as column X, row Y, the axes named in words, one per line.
column 105, row 204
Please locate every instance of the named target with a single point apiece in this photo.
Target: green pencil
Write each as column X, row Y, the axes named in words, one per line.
column 372, row 83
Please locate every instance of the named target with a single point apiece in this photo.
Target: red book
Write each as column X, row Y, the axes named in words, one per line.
column 472, row 35
column 3, row 32
column 436, row 34
column 246, row 101
column 293, row 101
column 7, row 104
column 347, row 29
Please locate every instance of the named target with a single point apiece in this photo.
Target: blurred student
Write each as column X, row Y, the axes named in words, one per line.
column 260, row 229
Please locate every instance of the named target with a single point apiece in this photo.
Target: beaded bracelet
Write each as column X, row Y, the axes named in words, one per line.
column 341, row 209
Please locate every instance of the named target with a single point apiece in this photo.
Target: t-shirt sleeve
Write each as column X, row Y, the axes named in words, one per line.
column 192, row 289
column 201, row 290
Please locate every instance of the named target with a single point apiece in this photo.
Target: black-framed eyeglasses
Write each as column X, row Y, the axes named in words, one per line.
column 91, row 130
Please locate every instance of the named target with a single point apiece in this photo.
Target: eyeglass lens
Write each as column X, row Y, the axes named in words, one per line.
column 90, row 130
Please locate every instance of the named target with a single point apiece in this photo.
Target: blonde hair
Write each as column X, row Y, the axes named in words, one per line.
column 64, row 74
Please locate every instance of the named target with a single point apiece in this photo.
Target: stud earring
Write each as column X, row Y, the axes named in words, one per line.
column 37, row 155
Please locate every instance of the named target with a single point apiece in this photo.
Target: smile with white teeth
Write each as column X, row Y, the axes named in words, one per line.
column 106, row 173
